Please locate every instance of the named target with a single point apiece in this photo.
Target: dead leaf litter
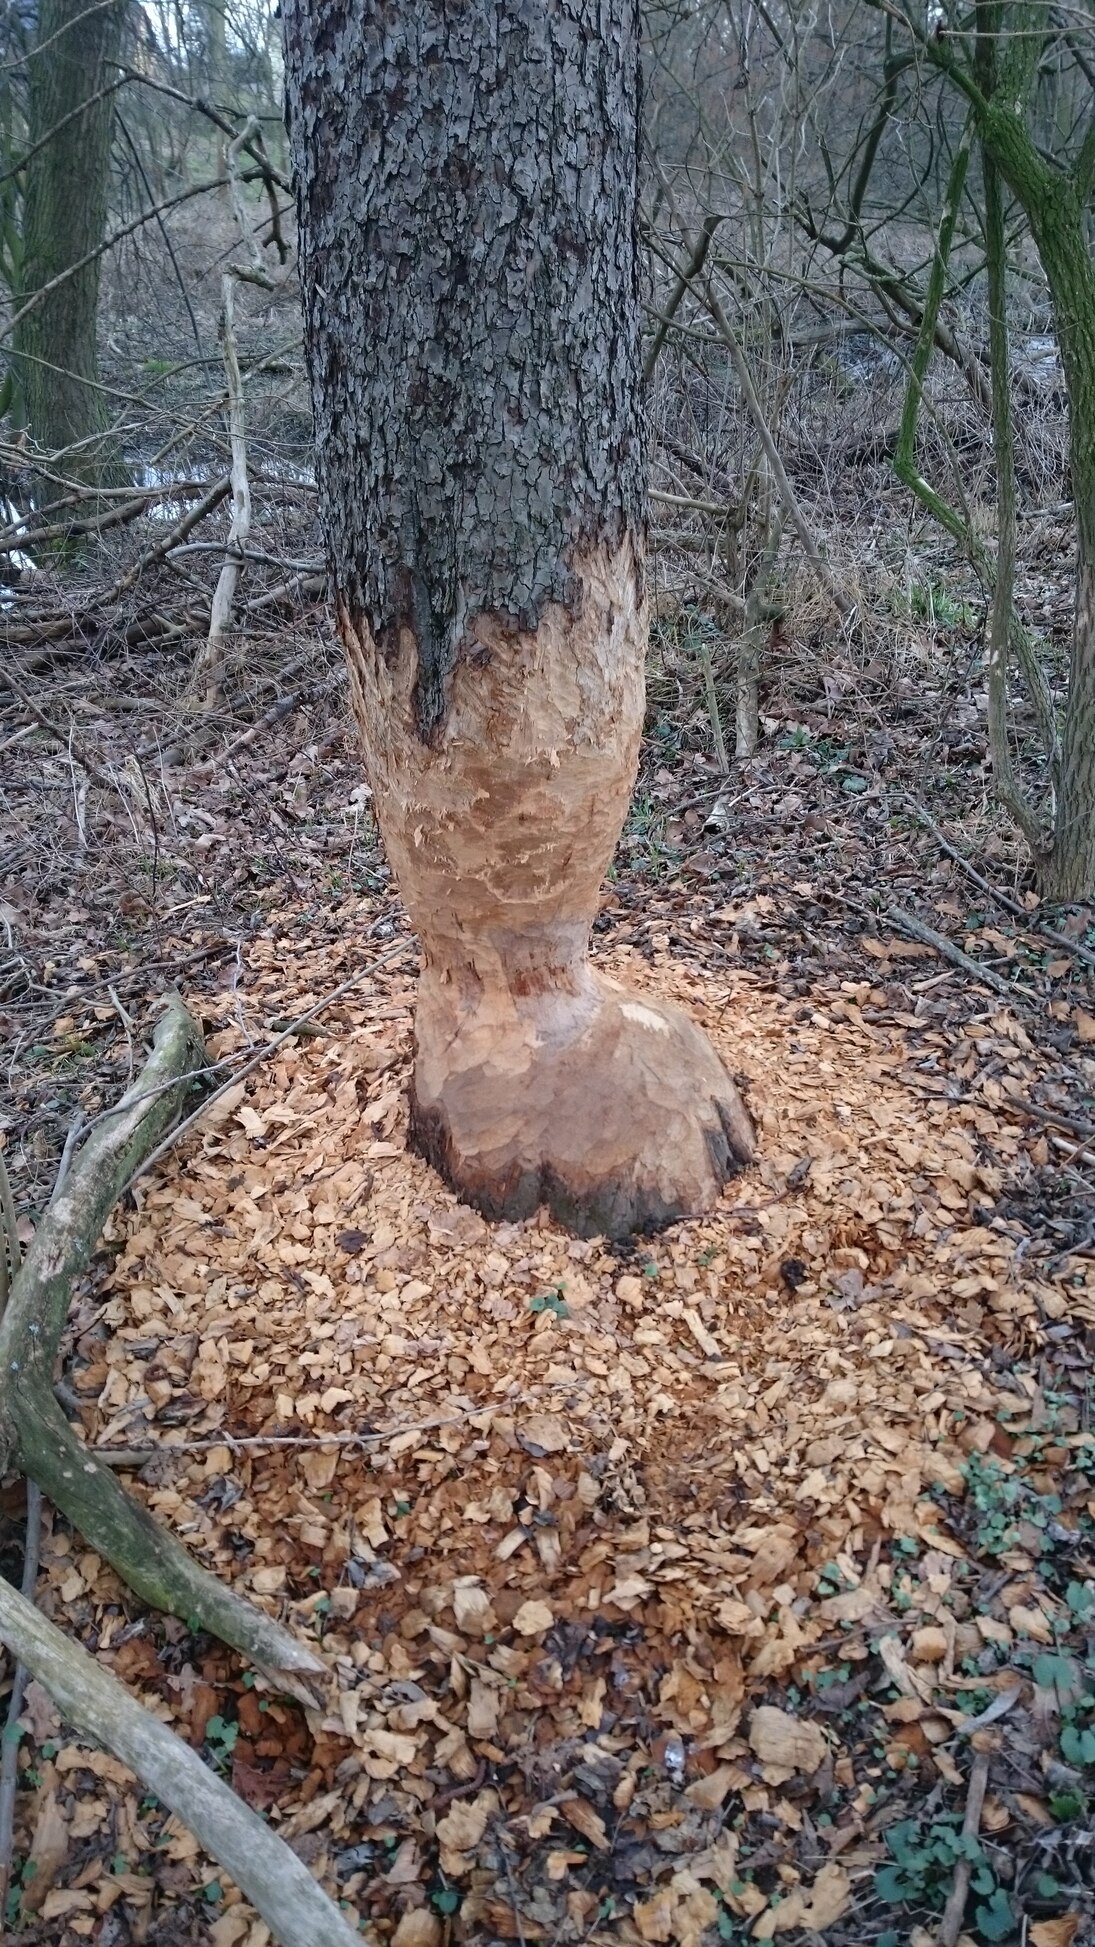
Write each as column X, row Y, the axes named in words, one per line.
column 605, row 1546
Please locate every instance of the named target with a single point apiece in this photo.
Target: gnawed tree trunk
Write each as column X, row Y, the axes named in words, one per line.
column 64, row 219
column 467, row 199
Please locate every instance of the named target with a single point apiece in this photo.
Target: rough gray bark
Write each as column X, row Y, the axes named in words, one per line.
column 64, row 218
column 461, row 282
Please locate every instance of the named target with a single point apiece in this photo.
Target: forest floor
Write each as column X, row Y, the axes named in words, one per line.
column 688, row 1591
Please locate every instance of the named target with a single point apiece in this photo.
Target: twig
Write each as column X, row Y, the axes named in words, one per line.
column 9, row 1244
column 72, row 1136
column 779, row 472
column 266, row 1870
column 262, row 1054
column 284, row 707
column 274, row 1442
column 927, row 936
column 1056, row 1118
column 1002, row 898
column 67, row 741
column 31, row 1555
column 951, row 1924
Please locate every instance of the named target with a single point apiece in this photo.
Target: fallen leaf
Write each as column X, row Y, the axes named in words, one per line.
column 543, row 1433
column 581, row 1815
column 1061, row 1931
column 48, row 1852
column 418, row 1927
column 471, row 1607
column 483, row 1705
column 462, row 1828
column 708, row 1793
column 533, row 1618
column 775, row 1737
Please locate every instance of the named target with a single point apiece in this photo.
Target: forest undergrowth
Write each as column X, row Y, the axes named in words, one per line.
column 690, row 1591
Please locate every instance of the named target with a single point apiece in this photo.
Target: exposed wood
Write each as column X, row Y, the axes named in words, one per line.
column 538, row 1081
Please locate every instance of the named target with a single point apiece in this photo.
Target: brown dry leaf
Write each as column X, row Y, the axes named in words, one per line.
column 777, row 1738
column 1061, row 1931
column 418, row 1927
column 39, row 1715
column 708, row 1793
column 1028, row 1621
column 533, row 1618
column 462, row 1828
column 311, row 1816
column 472, row 1609
column 48, row 1852
column 483, row 1706
column 579, row 1813
column 1084, row 1023
column 543, row 1433
column 654, row 1917
column 696, row 1909
column 830, row 1898
column 232, row 1928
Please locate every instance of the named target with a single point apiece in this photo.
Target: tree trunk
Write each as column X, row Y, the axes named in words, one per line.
column 64, row 219
column 1070, row 869
column 467, row 199
column 1056, row 213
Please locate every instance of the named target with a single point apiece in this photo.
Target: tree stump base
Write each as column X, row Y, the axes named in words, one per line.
column 611, row 1110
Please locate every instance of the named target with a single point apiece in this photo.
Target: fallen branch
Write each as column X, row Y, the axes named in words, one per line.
column 69, row 742
column 1002, row 898
column 206, row 685
column 9, row 1762
column 35, row 1437
column 284, row 707
column 927, row 936
column 951, row 1925
column 266, row 1870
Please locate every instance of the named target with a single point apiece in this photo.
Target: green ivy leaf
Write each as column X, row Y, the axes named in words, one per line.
column 995, row 1917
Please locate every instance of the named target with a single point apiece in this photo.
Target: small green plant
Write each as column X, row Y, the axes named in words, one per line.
column 220, row 1741
column 930, row 602
column 923, row 1858
column 550, row 1301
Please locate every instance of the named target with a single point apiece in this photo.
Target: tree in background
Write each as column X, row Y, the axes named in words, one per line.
column 467, row 204
column 64, row 221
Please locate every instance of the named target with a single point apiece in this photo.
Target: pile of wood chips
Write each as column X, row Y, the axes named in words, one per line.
column 574, row 1524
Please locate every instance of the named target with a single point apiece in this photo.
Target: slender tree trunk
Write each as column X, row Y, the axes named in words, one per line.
column 1062, row 246
column 1056, row 212
column 64, row 218
column 467, row 198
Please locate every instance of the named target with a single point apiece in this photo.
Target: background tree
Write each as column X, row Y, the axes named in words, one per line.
column 71, row 114
column 467, row 200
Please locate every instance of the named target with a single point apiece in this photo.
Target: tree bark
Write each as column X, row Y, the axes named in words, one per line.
column 467, row 199
column 64, row 218
column 1056, row 212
